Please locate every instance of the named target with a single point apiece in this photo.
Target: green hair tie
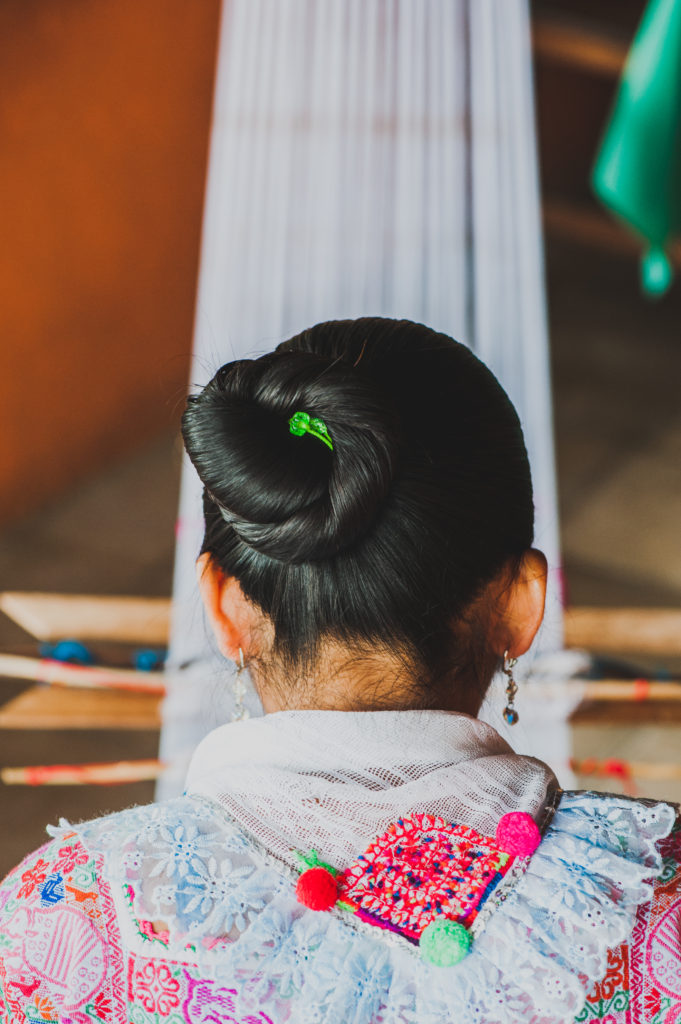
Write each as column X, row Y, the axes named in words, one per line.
column 302, row 423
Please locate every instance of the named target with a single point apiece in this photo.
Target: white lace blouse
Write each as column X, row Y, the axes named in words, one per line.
column 339, row 867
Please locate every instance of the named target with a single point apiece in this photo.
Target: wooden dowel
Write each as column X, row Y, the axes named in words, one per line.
column 133, row 620
column 59, row 673
column 605, row 689
column 99, row 774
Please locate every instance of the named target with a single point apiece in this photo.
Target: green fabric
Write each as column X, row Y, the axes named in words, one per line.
column 311, row 860
column 637, row 173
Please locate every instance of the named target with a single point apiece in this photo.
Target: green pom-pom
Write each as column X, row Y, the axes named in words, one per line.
column 445, row 942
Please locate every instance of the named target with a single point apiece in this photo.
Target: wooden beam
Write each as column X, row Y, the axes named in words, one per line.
column 46, row 707
column 607, row 713
column 53, row 617
column 624, row 631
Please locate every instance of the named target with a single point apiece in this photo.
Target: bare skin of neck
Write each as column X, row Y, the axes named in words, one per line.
column 345, row 680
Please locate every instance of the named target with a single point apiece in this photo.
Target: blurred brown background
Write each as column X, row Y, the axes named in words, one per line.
column 106, row 116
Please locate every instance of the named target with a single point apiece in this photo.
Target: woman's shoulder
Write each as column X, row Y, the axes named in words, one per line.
column 58, row 936
column 593, row 914
column 88, row 920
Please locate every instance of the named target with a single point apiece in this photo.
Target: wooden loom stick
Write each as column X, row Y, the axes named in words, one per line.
column 53, row 708
column 604, row 689
column 133, row 620
column 120, row 772
column 98, row 774
column 60, row 673
column 624, row 630
column 648, row 770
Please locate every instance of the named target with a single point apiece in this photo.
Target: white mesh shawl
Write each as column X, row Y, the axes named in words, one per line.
column 333, row 780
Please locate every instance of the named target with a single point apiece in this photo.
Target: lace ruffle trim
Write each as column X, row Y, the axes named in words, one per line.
column 541, row 949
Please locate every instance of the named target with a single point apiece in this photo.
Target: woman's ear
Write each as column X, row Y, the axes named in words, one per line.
column 522, row 606
column 229, row 612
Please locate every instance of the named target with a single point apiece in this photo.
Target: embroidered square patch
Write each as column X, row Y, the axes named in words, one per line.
column 420, row 869
column 424, row 879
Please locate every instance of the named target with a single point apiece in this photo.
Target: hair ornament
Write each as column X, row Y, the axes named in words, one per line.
column 302, row 423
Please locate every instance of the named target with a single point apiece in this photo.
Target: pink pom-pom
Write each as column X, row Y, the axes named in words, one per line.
column 518, row 834
column 317, row 889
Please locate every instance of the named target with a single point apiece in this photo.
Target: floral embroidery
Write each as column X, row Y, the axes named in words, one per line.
column 101, row 1007
column 70, row 857
column 155, row 987
column 185, row 848
column 45, row 1008
column 217, row 894
column 207, row 1002
column 54, row 958
column 33, row 877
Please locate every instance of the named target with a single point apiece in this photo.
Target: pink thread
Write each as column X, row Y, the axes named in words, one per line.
column 641, row 689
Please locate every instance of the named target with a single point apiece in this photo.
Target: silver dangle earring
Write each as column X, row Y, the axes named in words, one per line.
column 510, row 713
column 240, row 710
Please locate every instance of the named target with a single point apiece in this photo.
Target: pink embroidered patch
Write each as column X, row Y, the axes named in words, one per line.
column 421, row 869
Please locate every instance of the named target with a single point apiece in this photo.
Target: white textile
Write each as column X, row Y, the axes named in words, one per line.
column 235, row 928
column 334, row 780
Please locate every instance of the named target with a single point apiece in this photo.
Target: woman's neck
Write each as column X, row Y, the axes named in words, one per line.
column 344, row 680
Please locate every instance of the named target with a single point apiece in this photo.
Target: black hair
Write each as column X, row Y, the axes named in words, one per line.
column 388, row 538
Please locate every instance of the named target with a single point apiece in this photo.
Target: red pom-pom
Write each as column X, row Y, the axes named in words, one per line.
column 518, row 834
column 317, row 889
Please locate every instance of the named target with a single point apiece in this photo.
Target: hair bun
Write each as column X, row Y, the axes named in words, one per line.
column 286, row 496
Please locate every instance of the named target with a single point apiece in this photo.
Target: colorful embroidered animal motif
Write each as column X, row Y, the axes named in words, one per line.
column 424, row 879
